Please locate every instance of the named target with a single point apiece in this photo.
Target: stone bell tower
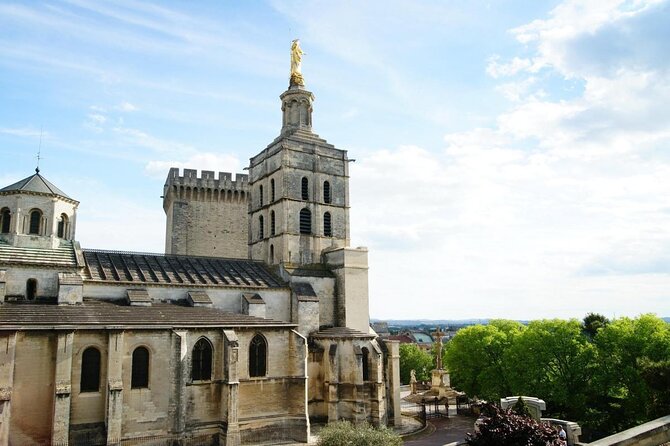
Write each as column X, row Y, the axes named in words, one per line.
column 299, row 188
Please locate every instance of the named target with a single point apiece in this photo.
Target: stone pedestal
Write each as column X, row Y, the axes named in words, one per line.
column 535, row 405
column 440, row 379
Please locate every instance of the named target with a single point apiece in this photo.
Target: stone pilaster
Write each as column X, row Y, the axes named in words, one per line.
column 177, row 410
column 333, row 381
column 7, row 355
column 61, row 414
column 115, row 387
column 393, row 374
column 3, row 285
column 230, row 360
column 299, row 351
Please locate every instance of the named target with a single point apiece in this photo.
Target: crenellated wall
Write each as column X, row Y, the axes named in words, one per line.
column 206, row 215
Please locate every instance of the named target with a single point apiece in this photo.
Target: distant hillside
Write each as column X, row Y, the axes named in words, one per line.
column 436, row 322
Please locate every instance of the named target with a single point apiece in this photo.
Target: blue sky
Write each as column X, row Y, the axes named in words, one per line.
column 512, row 158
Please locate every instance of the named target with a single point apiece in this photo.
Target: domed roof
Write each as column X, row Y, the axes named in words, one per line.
column 35, row 183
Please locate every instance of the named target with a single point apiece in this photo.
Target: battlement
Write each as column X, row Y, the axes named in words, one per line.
column 207, row 179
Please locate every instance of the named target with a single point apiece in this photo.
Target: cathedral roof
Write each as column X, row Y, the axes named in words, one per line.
column 101, row 314
column 35, row 183
column 141, row 268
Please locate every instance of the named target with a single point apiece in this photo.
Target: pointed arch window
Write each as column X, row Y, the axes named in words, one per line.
column 366, row 364
column 90, row 370
column 62, row 226
column 31, row 289
column 260, row 195
column 326, row 192
column 327, row 225
column 272, row 223
column 260, row 227
column 258, row 352
column 35, row 222
column 272, row 190
column 305, row 188
column 201, row 361
column 5, row 220
column 140, row 369
column 305, row 221
column 272, row 254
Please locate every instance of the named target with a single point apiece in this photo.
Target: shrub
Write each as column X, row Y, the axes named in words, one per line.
column 344, row 433
column 505, row 428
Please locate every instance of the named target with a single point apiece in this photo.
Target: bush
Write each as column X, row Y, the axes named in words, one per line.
column 505, row 428
column 344, row 433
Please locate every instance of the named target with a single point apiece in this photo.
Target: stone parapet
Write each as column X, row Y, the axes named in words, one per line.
column 206, row 180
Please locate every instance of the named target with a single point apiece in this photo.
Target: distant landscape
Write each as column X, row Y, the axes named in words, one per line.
column 447, row 322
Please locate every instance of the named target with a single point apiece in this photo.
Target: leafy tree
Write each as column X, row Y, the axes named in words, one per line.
column 344, row 433
column 475, row 358
column 521, row 408
column 505, row 428
column 593, row 322
column 631, row 353
column 553, row 360
column 414, row 358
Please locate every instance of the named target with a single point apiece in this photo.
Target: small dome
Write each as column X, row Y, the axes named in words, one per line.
column 35, row 183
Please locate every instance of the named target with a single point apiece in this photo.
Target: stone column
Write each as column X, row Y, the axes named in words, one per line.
column 61, row 415
column 231, row 353
column 7, row 355
column 115, row 387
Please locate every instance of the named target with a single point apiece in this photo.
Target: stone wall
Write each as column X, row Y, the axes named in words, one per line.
column 206, row 216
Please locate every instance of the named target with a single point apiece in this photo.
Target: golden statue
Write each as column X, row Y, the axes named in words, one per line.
column 296, row 60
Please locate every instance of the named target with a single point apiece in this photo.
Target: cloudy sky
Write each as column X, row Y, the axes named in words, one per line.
column 512, row 158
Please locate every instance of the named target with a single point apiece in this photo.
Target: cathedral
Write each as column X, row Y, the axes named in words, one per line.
column 251, row 326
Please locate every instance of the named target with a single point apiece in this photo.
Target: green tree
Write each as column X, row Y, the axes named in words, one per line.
column 414, row 358
column 344, row 433
column 593, row 322
column 553, row 360
column 631, row 354
column 475, row 358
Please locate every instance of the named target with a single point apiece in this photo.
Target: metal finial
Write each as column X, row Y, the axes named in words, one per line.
column 39, row 153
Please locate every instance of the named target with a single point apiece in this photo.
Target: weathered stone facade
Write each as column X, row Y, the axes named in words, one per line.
column 236, row 335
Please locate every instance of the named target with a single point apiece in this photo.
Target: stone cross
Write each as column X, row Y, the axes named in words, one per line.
column 438, row 354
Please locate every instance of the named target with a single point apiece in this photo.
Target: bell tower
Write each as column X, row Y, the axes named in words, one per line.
column 299, row 188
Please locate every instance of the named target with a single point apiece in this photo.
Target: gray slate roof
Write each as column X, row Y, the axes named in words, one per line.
column 63, row 256
column 342, row 332
column 35, row 183
column 141, row 268
column 100, row 314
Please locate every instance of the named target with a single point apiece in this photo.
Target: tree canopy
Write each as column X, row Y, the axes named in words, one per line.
column 412, row 357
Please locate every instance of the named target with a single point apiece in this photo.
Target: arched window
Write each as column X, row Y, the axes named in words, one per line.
column 366, row 364
column 140, row 372
column 201, row 363
column 272, row 190
column 260, row 227
column 31, row 289
column 305, row 188
column 5, row 220
column 272, row 254
column 305, row 221
column 260, row 195
column 35, row 222
column 62, row 226
column 272, row 223
column 258, row 351
column 326, row 192
column 327, row 225
column 90, row 370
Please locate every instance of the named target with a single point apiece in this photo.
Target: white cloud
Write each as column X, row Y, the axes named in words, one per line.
column 497, row 69
column 127, row 107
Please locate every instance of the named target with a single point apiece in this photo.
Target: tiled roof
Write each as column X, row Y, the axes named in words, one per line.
column 140, row 268
column 99, row 314
column 64, row 255
column 35, row 183
column 341, row 332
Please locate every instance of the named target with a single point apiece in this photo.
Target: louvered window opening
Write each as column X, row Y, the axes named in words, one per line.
column 272, row 191
column 305, row 221
column 272, row 223
column 305, row 188
column 326, row 192
column 260, row 196
column 260, row 227
column 327, row 226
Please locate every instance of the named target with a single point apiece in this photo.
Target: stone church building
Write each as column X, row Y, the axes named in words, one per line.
column 252, row 325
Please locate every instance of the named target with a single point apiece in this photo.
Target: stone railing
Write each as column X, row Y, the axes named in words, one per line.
column 653, row 433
